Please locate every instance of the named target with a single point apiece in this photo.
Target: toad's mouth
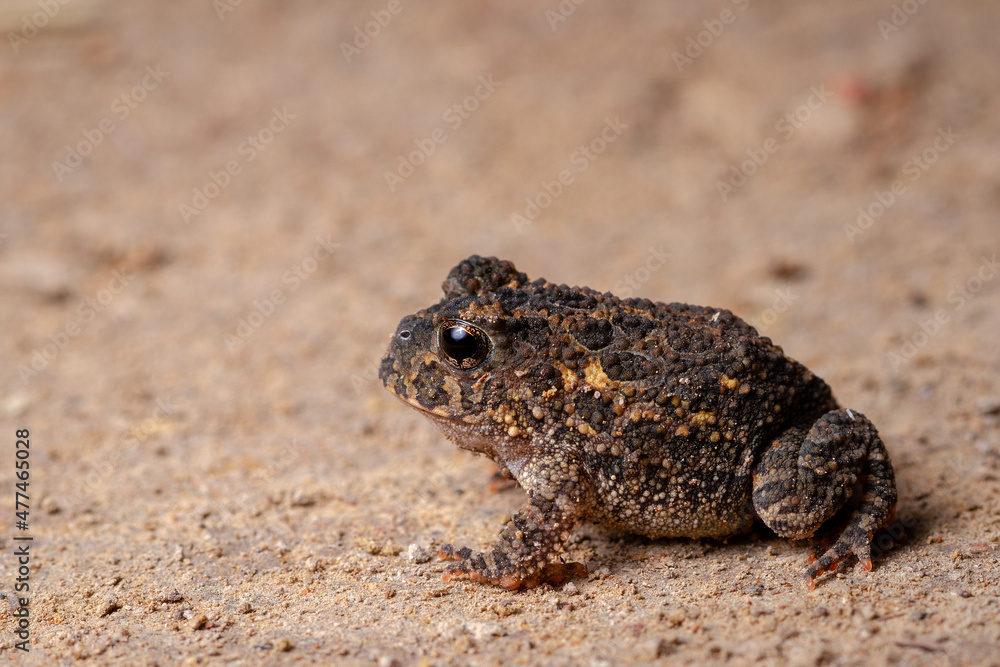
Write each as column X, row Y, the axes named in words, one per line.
column 466, row 431
column 439, row 415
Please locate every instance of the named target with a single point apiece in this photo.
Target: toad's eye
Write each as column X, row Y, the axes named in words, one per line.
column 463, row 345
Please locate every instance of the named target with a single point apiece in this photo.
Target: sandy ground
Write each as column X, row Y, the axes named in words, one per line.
column 212, row 216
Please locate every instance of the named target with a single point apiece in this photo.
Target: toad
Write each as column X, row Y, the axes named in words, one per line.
column 666, row 420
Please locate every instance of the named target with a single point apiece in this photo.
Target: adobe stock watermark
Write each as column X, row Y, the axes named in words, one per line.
column 121, row 108
column 900, row 16
column 580, row 160
column 264, row 478
column 786, row 127
column 31, row 25
column 223, row 7
column 369, row 374
column 363, row 35
column 292, row 279
column 782, row 302
column 86, row 312
column 891, row 536
column 562, row 12
column 103, row 468
column 958, row 297
column 701, row 42
column 912, row 169
column 453, row 116
column 630, row 284
column 248, row 150
column 954, row 472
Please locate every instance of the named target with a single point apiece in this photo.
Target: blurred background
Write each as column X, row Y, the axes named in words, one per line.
column 213, row 214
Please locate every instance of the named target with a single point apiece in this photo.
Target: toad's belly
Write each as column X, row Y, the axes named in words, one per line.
column 677, row 506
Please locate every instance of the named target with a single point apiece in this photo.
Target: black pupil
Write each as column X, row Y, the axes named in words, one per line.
column 458, row 343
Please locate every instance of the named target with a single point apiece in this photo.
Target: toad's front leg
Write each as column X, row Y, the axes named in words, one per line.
column 527, row 552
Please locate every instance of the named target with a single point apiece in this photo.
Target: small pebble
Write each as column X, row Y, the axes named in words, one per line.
column 301, row 498
column 650, row 649
column 417, row 554
column 170, row 596
column 483, row 630
column 108, row 606
column 989, row 405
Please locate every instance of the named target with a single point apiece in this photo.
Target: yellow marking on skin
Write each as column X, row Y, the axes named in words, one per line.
column 595, row 375
column 729, row 383
column 568, row 377
column 699, row 419
column 484, row 311
column 478, row 385
column 454, row 391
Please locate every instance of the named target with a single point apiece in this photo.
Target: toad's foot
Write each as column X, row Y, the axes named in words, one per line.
column 810, row 471
column 553, row 573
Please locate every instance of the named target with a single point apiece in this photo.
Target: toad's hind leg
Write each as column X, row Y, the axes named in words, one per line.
column 810, row 471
